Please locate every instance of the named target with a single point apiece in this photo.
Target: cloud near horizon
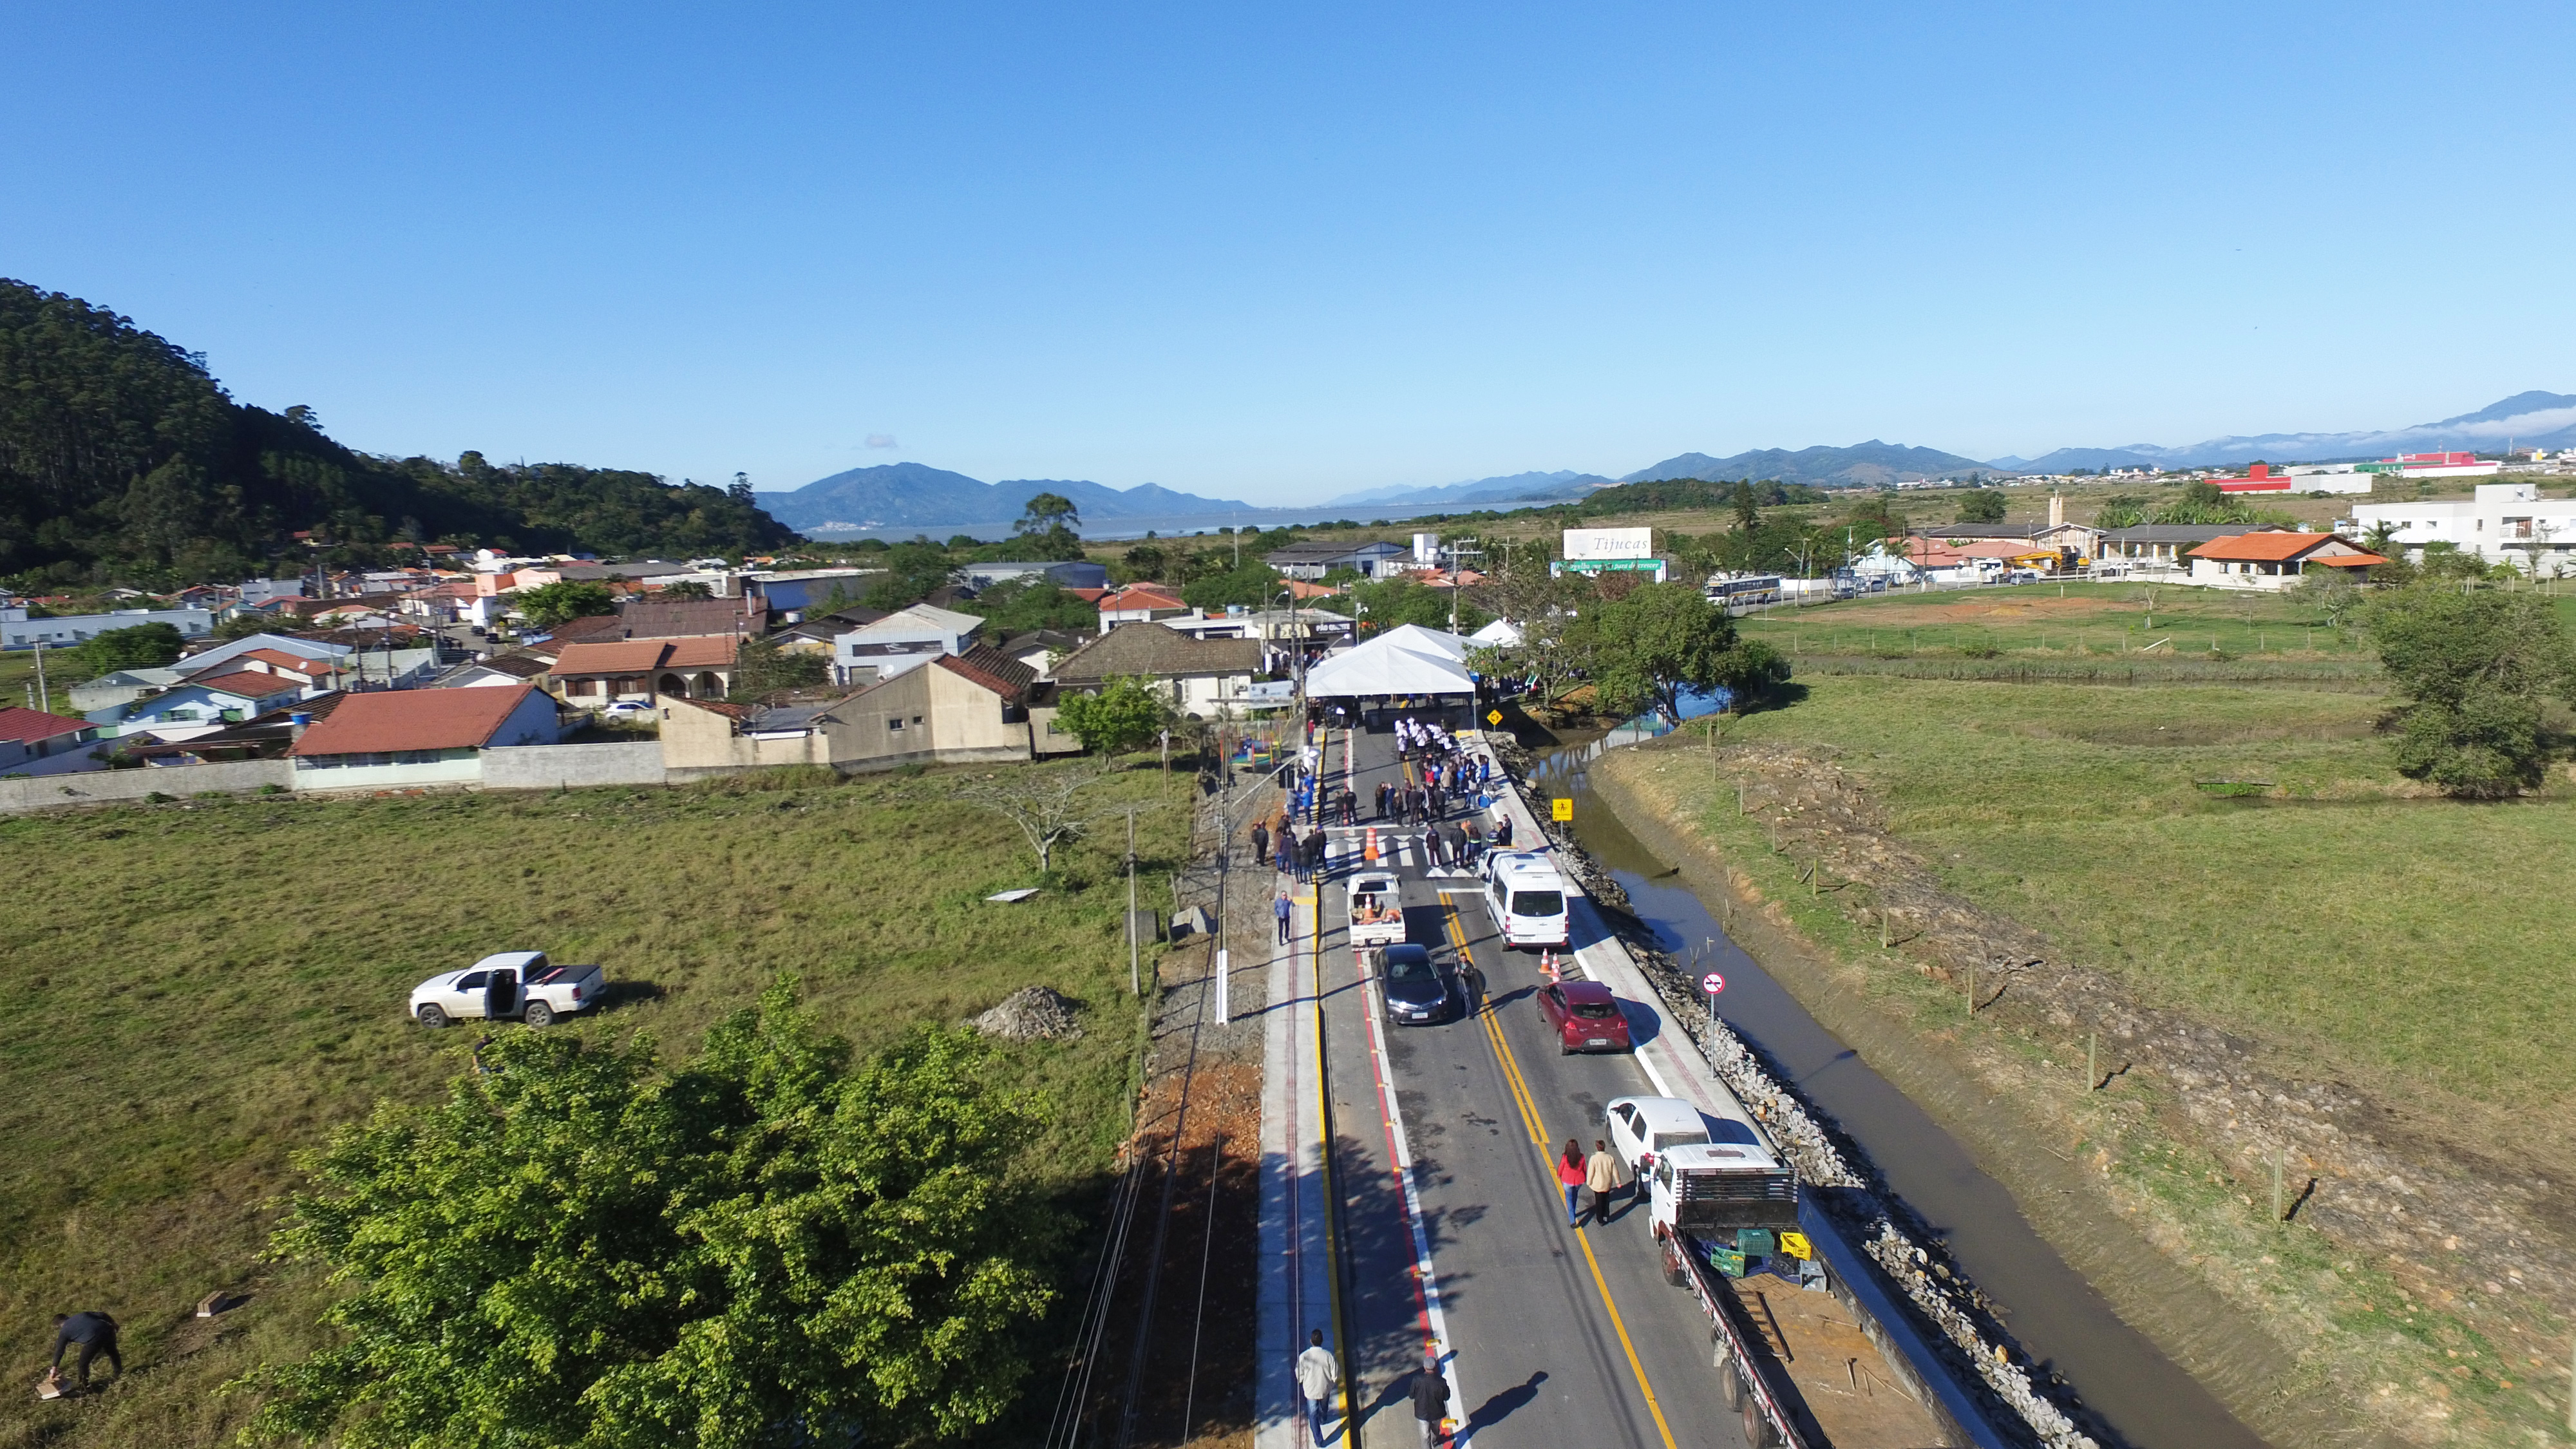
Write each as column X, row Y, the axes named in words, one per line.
column 881, row 440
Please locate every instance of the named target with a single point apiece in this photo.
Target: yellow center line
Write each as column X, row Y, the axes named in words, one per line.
column 1528, row 1105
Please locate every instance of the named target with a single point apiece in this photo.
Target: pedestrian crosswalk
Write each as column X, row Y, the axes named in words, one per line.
column 1346, row 849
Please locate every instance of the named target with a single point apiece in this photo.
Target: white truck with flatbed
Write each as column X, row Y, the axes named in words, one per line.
column 1795, row 1353
column 1376, row 910
column 522, row 984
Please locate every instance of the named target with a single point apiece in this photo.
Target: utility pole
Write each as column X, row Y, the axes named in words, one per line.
column 44, row 696
column 1458, row 553
column 1135, row 978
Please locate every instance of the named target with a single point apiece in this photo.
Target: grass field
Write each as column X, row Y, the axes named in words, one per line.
column 2059, row 620
column 195, row 990
column 2340, row 910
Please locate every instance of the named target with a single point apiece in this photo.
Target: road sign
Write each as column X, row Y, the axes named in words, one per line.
column 1712, row 983
column 1564, row 809
column 1493, row 716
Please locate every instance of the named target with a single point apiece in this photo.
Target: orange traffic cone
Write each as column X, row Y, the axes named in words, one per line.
column 1547, row 964
column 1368, row 850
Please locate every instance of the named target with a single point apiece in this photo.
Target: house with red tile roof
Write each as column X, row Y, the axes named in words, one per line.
column 1139, row 603
column 402, row 737
column 38, row 742
column 594, row 674
column 2275, row 560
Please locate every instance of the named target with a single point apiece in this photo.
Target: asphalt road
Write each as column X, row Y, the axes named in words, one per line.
column 1555, row 1337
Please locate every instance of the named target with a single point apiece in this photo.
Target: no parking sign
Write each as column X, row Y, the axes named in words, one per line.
column 1712, row 983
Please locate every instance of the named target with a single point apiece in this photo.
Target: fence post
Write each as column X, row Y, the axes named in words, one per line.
column 2092, row 1066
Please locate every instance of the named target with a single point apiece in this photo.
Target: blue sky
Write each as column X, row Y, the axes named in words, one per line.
column 1282, row 252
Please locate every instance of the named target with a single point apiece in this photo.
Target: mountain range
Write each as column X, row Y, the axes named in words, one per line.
column 2526, row 419
column 1513, row 488
column 915, row 495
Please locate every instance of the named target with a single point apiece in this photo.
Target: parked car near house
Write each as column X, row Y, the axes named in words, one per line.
column 624, row 709
column 522, row 984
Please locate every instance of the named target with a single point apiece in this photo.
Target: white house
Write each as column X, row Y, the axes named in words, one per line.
column 17, row 631
column 2504, row 523
column 902, row 640
column 2273, row 559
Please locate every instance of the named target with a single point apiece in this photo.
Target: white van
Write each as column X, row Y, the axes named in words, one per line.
column 1527, row 898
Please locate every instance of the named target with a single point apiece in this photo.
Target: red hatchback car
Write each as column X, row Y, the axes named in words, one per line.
column 1586, row 1017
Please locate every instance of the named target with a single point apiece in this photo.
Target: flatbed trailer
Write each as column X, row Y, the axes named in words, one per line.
column 1800, row 1365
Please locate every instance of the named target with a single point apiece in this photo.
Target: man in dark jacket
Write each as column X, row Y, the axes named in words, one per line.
column 1430, row 1399
column 1260, row 843
column 95, row 1333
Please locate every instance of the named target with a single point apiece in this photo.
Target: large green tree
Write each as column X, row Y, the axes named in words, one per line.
column 2474, row 664
column 547, row 605
column 1125, row 715
column 761, row 1245
column 138, row 646
column 1649, row 647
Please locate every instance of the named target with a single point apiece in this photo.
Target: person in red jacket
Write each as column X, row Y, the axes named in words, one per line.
column 1569, row 1175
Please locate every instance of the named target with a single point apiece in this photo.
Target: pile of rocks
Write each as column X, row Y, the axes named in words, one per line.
column 1030, row 1013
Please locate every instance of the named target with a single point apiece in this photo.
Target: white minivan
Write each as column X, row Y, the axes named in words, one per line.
column 1527, row 898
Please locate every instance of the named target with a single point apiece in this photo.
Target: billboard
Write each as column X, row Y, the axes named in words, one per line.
column 1609, row 543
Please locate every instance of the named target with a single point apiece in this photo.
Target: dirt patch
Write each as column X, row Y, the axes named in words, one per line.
column 1887, row 616
column 2456, row 1222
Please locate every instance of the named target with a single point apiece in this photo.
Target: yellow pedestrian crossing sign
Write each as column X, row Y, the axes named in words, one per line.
column 1564, row 809
column 1493, row 716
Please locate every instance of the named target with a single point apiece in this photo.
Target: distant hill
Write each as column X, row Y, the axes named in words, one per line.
column 1512, row 488
column 123, row 460
column 1860, row 465
column 916, row 495
column 2525, row 420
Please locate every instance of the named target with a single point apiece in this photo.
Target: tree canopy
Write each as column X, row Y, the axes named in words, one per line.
column 122, row 460
column 547, row 605
column 1123, row 716
column 2475, row 664
column 762, row 1245
column 139, row 646
column 1982, row 505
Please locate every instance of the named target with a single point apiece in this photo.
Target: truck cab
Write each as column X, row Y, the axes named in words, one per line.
column 1711, row 1189
column 1376, row 910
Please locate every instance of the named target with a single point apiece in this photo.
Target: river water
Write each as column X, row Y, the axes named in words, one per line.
column 2144, row 1398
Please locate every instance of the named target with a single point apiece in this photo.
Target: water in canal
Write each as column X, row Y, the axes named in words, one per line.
column 2145, row 1398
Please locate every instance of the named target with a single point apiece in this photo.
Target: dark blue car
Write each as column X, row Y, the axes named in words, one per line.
column 1417, row 988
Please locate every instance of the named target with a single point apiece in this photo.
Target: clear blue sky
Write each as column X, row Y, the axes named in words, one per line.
column 1279, row 252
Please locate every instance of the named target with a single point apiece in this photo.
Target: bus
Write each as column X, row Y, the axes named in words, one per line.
column 1736, row 591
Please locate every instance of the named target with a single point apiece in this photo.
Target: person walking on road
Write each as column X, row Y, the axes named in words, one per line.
column 1314, row 849
column 1430, row 1398
column 1318, row 1374
column 1286, row 913
column 1471, row 979
column 1601, row 1174
column 95, row 1333
column 1570, row 1175
column 1260, row 843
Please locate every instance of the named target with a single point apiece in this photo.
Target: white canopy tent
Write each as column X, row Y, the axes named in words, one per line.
column 1409, row 660
column 1502, row 633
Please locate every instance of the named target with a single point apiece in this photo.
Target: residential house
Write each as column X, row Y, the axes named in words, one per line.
column 1137, row 604
column 2502, row 523
column 122, row 686
column 797, row 591
column 17, row 631
column 980, row 706
column 499, row 670
column 2162, row 545
column 267, row 737
column 37, row 742
column 199, row 704
column 1040, row 648
column 419, row 737
column 1070, row 574
column 903, row 640
column 641, row 669
column 2274, row 560
column 1314, row 560
column 1202, row 678
column 1282, row 632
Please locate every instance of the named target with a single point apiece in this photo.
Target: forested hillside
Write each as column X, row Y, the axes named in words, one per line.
column 123, row 461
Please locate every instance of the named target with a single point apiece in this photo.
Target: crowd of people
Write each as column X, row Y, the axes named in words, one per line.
column 1444, row 777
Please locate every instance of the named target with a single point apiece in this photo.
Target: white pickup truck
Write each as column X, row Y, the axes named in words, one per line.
column 1377, row 910
column 523, row 984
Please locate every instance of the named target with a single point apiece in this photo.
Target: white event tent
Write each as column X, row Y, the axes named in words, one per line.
column 1409, row 660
